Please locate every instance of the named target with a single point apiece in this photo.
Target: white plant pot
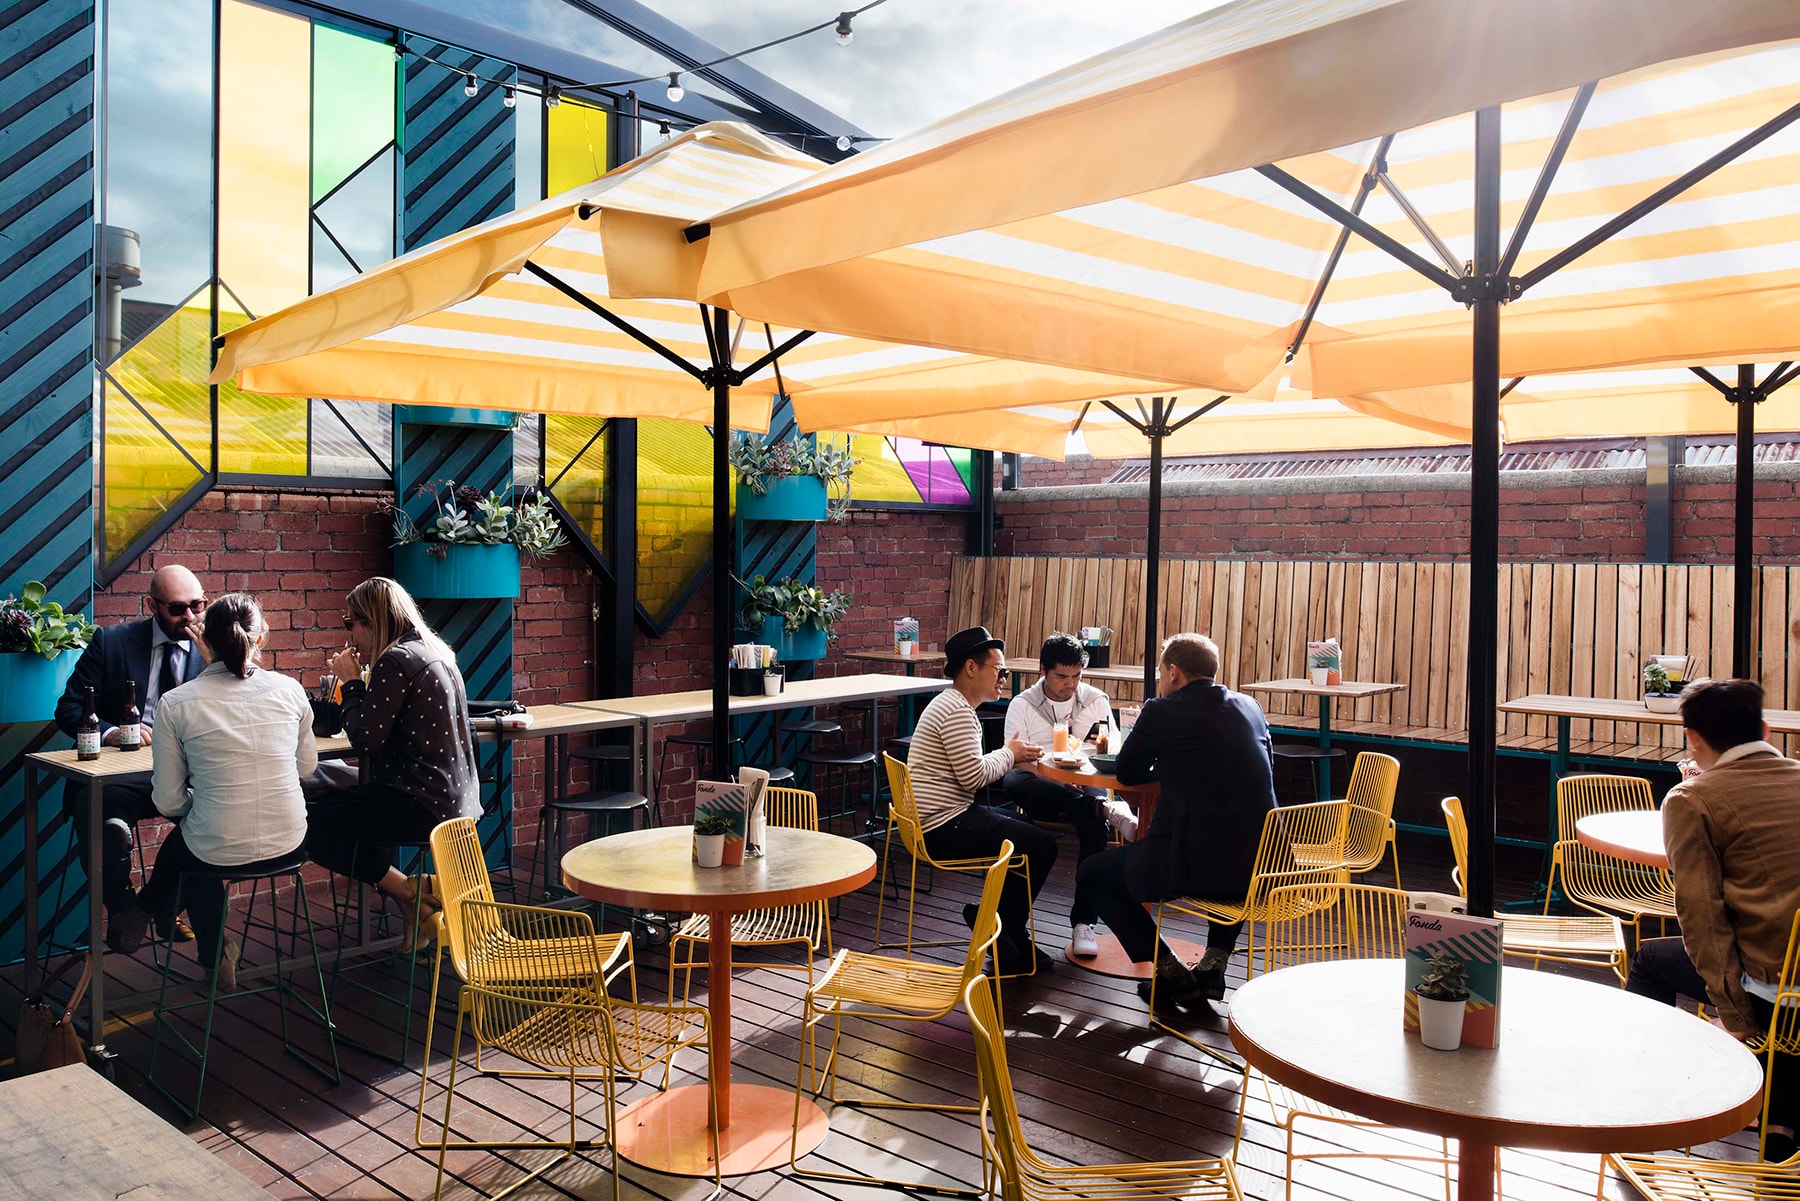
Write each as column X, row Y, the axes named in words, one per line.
column 709, row 849
column 1440, row 1023
column 1662, row 703
column 1321, row 676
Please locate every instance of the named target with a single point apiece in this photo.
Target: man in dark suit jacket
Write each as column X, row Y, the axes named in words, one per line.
column 157, row 654
column 1209, row 749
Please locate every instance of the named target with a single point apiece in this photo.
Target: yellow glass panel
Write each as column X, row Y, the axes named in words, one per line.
column 265, row 124
column 577, row 149
column 146, row 472
column 880, row 476
column 575, row 458
column 674, row 534
column 261, row 434
column 166, row 371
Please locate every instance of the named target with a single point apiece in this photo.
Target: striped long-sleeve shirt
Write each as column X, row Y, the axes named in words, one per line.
column 945, row 760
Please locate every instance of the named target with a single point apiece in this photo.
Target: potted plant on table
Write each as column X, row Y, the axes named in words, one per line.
column 710, row 830
column 34, row 633
column 792, row 480
column 1442, row 997
column 796, row 618
column 1661, row 695
column 467, row 545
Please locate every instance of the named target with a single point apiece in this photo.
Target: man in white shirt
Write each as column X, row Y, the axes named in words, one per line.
column 947, row 769
column 1060, row 698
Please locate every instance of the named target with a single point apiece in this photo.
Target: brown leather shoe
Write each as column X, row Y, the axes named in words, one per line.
column 174, row 929
column 127, row 929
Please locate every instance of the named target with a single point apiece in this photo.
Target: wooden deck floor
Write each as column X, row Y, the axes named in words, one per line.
column 1094, row 1084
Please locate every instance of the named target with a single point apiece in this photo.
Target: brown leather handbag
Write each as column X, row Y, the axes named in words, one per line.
column 47, row 1039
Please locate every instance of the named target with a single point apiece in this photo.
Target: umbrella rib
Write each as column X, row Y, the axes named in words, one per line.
column 1658, row 198
column 773, row 355
column 1202, row 411
column 1337, row 251
column 1127, row 418
column 601, row 311
column 1080, row 417
column 1724, row 389
column 1419, row 223
column 1345, row 217
column 1546, row 175
column 1776, row 378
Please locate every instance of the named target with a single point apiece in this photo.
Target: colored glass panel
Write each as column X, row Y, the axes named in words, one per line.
column 146, row 470
column 159, row 174
column 932, row 472
column 575, row 470
column 353, row 229
column 528, row 149
column 674, row 535
column 353, row 106
column 879, row 476
column 576, row 149
column 263, row 435
column 528, row 445
column 265, row 119
column 964, row 461
column 352, row 438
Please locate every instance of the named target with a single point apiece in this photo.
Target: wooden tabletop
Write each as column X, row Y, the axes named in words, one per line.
column 68, row 1134
column 1116, row 671
column 655, row 869
column 1781, row 721
column 895, row 656
column 1086, row 776
column 697, row 703
column 1635, row 836
column 1351, row 689
column 1580, row 1066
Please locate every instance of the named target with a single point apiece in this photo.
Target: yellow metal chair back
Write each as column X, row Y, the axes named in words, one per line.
column 1024, row 1176
column 1334, row 921
column 1458, row 826
column 986, row 931
column 1370, row 830
column 903, row 809
column 1593, row 879
column 462, row 875
column 1783, row 1034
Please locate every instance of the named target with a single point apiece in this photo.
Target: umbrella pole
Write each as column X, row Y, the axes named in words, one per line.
column 1484, row 515
column 1743, row 557
column 722, row 542
column 1153, row 543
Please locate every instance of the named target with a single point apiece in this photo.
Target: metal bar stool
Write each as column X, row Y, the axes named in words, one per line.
column 701, row 745
column 1310, row 755
column 421, row 872
column 287, row 869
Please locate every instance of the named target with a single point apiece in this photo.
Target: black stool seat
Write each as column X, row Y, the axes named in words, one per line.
column 610, row 754
column 839, row 757
column 600, row 802
column 702, row 740
column 778, row 775
column 811, row 727
column 1300, row 751
column 281, row 867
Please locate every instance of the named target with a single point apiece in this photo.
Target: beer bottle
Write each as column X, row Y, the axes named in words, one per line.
column 87, row 734
column 131, row 730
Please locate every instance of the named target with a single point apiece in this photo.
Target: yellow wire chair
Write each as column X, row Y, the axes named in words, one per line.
column 1369, row 829
column 1320, row 922
column 462, row 876
column 1595, row 880
column 886, row 988
column 1319, row 828
column 1595, row 941
column 808, row 923
column 903, row 815
column 549, row 1006
column 1023, row 1176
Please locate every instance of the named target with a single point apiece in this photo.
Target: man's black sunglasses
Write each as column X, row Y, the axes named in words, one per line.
column 177, row 608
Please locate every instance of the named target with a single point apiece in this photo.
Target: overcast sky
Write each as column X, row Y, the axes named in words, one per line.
column 913, row 61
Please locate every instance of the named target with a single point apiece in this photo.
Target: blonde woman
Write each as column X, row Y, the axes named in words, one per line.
column 410, row 721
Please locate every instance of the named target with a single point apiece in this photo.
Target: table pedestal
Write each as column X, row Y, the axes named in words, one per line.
column 1474, row 1171
column 668, row 1132
column 1113, row 961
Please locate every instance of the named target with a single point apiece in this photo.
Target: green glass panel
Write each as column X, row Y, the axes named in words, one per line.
column 964, row 461
column 674, row 541
column 353, row 104
column 575, row 458
column 879, row 475
column 265, row 435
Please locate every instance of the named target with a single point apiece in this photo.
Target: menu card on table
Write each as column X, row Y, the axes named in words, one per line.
column 1434, row 940
column 717, row 798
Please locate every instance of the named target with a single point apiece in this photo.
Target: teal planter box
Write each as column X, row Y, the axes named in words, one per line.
column 790, row 498
column 808, row 642
column 464, row 573
column 439, row 415
column 30, row 685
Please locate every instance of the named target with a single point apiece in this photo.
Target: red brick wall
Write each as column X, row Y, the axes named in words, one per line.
column 895, row 563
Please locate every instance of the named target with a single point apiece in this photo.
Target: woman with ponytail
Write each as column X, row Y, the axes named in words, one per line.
column 230, row 748
column 407, row 715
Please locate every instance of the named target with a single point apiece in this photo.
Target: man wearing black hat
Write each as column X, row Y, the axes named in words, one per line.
column 948, row 768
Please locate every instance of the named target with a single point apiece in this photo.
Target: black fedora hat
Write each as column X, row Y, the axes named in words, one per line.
column 965, row 645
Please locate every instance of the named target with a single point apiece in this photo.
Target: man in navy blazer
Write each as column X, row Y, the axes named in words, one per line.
column 157, row 654
column 1209, row 748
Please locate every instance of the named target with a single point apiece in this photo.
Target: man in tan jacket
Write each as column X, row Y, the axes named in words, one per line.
column 1732, row 828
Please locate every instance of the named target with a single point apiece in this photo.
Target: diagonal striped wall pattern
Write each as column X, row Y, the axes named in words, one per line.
column 46, row 375
column 456, row 150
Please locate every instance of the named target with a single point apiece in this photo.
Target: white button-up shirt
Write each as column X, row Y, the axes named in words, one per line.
column 1031, row 714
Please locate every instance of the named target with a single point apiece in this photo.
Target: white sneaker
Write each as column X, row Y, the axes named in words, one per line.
column 1084, row 945
column 1120, row 817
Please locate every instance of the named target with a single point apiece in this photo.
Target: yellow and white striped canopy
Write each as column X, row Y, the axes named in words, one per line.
column 463, row 322
column 1114, row 214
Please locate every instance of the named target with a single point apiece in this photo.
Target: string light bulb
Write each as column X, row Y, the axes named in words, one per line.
column 844, row 32
column 470, row 85
column 843, row 142
column 676, row 92
column 510, row 97
column 552, row 96
column 662, row 130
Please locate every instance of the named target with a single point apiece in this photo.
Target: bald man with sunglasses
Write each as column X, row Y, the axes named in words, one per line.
column 157, row 653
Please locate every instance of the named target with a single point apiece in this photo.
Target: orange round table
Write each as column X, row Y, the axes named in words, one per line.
column 1112, row 960
column 1635, row 836
column 654, row 869
column 1580, row 1066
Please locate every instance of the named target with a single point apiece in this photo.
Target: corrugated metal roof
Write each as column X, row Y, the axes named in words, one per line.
column 1566, row 456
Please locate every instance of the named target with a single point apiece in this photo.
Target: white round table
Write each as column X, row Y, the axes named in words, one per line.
column 1580, row 1067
